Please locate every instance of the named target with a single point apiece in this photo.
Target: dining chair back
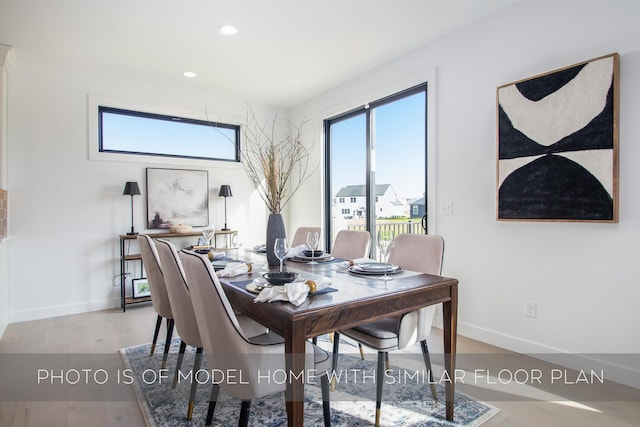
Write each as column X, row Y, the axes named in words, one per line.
column 351, row 244
column 300, row 236
column 184, row 316
column 415, row 252
column 230, row 349
column 158, row 290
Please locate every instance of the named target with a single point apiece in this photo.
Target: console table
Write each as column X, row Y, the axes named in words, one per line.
column 127, row 257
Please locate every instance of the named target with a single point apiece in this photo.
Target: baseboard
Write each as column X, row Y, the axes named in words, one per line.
column 62, row 310
column 621, row 374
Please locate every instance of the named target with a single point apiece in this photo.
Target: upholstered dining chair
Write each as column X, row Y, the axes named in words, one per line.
column 228, row 348
column 351, row 244
column 300, row 236
column 416, row 252
column 158, row 290
column 185, row 317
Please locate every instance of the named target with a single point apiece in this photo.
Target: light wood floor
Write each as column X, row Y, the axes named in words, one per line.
column 110, row 330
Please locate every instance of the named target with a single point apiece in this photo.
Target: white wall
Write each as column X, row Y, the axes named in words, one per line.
column 67, row 211
column 7, row 57
column 583, row 276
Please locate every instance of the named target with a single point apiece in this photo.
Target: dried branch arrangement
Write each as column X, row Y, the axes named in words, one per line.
column 272, row 164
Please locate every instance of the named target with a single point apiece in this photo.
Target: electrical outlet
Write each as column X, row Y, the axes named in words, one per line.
column 530, row 308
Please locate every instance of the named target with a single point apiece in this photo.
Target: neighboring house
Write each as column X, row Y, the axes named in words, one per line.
column 350, row 202
column 417, row 208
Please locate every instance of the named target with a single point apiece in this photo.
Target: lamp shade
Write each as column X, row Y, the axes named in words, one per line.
column 225, row 191
column 131, row 189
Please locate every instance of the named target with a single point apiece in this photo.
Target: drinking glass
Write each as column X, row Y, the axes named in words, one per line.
column 208, row 233
column 280, row 250
column 384, row 242
column 312, row 243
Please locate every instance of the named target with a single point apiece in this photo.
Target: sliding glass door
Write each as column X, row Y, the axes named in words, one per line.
column 376, row 167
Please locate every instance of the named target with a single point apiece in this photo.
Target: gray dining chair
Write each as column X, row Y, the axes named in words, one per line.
column 228, row 348
column 351, row 244
column 415, row 252
column 300, row 236
column 158, row 290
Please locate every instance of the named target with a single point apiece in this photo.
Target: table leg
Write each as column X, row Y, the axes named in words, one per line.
column 295, row 344
column 450, row 323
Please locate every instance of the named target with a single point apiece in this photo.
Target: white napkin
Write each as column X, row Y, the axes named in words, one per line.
column 349, row 263
column 233, row 269
column 218, row 255
column 296, row 251
column 295, row 293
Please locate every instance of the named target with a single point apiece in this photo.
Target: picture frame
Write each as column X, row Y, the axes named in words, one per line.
column 177, row 196
column 140, row 287
column 557, row 144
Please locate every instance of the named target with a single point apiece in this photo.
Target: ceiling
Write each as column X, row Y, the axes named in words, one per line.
column 285, row 51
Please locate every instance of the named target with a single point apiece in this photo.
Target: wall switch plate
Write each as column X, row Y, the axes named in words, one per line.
column 446, row 208
column 530, row 308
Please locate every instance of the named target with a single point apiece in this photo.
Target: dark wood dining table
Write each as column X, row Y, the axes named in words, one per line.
column 357, row 300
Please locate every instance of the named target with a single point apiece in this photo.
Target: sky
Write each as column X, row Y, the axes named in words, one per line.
column 400, row 147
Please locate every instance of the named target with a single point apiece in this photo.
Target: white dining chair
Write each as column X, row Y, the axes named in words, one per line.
column 351, row 244
column 184, row 315
column 300, row 236
column 230, row 349
column 158, row 290
column 415, row 252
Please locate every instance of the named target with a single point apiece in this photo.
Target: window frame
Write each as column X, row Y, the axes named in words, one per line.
column 165, row 118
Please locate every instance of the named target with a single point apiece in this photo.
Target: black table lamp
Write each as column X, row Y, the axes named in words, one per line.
column 131, row 189
column 225, row 191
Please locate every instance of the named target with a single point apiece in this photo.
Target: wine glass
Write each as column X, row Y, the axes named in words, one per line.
column 208, row 233
column 280, row 250
column 312, row 243
column 383, row 242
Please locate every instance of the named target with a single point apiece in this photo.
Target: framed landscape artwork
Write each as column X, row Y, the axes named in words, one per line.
column 177, row 196
column 141, row 288
column 557, row 144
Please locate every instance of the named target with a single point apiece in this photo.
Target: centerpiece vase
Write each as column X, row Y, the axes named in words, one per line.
column 275, row 229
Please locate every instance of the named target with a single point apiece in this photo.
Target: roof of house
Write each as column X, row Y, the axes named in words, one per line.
column 360, row 190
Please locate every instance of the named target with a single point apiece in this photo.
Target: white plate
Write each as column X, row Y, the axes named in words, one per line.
column 374, row 269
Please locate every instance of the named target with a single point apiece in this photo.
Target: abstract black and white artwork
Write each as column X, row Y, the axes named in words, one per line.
column 557, row 143
column 177, row 196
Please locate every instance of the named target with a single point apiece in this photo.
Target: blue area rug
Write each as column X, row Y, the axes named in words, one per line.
column 352, row 404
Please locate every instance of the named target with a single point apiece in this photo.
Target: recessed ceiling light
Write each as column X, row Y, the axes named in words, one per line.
column 228, row 30
column 189, row 74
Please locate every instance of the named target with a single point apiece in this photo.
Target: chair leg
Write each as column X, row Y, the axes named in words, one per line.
column 427, row 363
column 361, row 351
column 183, row 347
column 334, row 359
column 194, row 382
column 167, row 342
column 215, row 390
column 326, row 407
column 386, row 361
column 155, row 334
column 379, row 382
column 244, row 413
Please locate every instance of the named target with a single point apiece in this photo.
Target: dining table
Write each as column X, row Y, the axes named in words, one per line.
column 354, row 300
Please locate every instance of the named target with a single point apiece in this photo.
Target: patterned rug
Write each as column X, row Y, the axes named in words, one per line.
column 407, row 403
